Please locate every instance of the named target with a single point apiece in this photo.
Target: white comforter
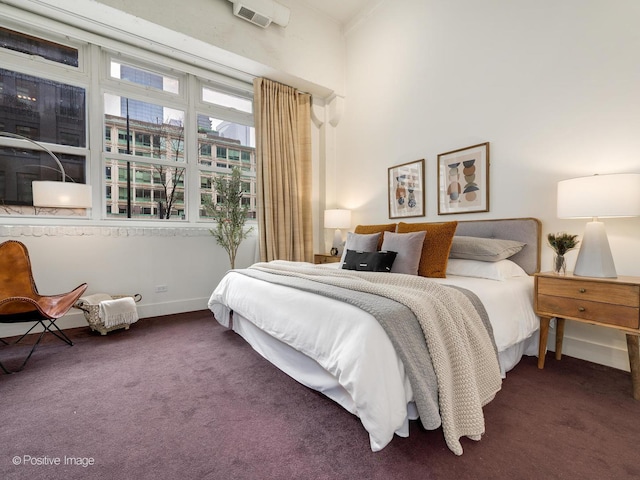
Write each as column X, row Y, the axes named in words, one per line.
column 358, row 352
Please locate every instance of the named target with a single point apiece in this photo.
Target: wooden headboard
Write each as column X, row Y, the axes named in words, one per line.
column 526, row 230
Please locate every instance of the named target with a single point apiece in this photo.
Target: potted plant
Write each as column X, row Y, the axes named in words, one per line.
column 561, row 243
column 228, row 213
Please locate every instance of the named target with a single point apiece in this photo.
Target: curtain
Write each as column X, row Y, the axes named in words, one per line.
column 283, row 162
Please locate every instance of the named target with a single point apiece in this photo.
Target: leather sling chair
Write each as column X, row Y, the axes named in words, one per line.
column 20, row 301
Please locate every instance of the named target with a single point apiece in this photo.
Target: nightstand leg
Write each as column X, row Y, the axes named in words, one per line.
column 544, row 335
column 634, row 364
column 559, row 337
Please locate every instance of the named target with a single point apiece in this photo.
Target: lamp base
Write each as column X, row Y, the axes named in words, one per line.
column 337, row 243
column 594, row 258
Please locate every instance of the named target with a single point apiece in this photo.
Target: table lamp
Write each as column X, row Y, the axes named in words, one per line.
column 614, row 195
column 337, row 218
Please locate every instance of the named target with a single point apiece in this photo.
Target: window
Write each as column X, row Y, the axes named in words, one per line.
column 29, row 103
column 138, row 122
column 123, row 136
column 234, row 144
column 168, row 129
column 144, row 77
column 19, row 42
column 157, row 132
column 157, row 190
column 205, row 182
column 143, row 140
column 218, row 97
column 46, row 111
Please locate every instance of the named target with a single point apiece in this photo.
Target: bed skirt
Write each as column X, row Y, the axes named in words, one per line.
column 310, row 373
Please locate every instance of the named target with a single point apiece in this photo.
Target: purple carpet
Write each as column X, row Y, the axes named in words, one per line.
column 180, row 397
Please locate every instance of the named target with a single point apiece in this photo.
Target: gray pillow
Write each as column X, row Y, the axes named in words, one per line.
column 483, row 249
column 409, row 248
column 360, row 242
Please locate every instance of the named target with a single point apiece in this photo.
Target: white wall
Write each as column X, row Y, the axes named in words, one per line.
column 126, row 261
column 553, row 86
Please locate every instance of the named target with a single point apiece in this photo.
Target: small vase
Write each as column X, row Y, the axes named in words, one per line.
column 559, row 265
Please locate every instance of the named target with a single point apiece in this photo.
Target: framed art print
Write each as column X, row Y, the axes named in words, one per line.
column 463, row 180
column 406, row 190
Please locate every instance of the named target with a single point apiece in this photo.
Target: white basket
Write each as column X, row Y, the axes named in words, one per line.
column 91, row 313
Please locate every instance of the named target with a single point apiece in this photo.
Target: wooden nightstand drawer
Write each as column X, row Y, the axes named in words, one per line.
column 320, row 258
column 606, row 292
column 599, row 312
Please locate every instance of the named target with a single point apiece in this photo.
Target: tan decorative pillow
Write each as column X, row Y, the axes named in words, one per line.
column 389, row 227
column 435, row 250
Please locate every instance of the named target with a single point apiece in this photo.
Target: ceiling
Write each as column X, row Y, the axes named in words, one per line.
column 341, row 10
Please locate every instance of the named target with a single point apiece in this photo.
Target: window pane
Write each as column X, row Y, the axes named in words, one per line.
column 225, row 100
column 231, row 141
column 208, row 197
column 143, row 77
column 19, row 42
column 143, row 129
column 234, row 146
column 21, row 166
column 42, row 109
column 157, row 191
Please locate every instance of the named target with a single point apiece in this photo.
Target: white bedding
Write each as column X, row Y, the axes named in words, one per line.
column 365, row 374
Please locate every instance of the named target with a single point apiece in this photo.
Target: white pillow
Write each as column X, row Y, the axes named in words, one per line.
column 500, row 270
column 484, row 249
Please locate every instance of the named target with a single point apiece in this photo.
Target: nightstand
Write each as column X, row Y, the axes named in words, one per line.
column 608, row 302
column 325, row 258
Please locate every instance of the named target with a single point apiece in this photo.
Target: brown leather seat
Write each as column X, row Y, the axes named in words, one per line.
column 20, row 300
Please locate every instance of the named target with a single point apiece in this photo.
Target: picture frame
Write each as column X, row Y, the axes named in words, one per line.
column 463, row 180
column 406, row 190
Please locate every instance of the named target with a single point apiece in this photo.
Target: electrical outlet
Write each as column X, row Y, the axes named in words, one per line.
column 161, row 288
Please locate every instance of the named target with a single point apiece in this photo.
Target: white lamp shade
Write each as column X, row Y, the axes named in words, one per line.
column 615, row 195
column 337, row 218
column 61, row 194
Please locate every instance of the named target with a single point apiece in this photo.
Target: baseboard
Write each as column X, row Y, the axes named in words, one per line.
column 609, row 355
column 75, row 318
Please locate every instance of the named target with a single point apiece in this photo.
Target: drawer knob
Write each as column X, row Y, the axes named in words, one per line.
column 582, row 290
column 581, row 309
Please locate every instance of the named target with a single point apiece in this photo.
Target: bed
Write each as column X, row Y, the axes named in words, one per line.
column 342, row 347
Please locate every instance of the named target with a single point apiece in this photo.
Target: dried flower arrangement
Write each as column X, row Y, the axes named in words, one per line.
column 562, row 242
